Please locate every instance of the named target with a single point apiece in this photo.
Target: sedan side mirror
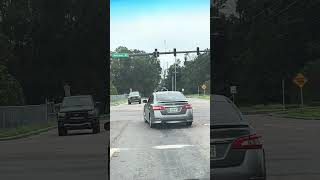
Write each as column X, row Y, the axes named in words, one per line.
column 144, row 101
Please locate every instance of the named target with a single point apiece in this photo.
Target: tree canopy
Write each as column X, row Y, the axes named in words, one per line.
column 53, row 42
column 263, row 43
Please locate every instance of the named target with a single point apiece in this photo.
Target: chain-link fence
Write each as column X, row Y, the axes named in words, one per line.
column 14, row 116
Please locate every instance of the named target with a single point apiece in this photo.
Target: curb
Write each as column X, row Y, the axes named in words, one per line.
column 27, row 134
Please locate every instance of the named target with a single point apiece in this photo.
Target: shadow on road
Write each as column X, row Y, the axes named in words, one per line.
column 172, row 126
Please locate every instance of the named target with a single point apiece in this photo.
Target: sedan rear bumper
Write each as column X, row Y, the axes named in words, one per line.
column 180, row 118
column 251, row 169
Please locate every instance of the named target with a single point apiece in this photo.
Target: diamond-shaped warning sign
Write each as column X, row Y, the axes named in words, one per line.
column 300, row 80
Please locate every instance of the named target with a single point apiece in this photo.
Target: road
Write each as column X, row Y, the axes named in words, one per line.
column 79, row 156
column 167, row 152
column 292, row 147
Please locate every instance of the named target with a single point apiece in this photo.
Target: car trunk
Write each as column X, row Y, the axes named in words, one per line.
column 221, row 138
column 173, row 108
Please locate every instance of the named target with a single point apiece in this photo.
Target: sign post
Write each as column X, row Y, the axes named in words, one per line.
column 204, row 89
column 300, row 81
column 233, row 91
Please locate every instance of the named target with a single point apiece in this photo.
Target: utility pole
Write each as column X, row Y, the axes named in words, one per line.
column 175, row 73
column 172, row 83
column 283, row 100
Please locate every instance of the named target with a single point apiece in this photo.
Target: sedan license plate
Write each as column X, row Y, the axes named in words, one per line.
column 173, row 110
column 213, row 152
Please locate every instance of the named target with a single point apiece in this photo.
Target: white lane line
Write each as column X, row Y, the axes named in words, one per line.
column 113, row 150
column 175, row 146
column 116, row 150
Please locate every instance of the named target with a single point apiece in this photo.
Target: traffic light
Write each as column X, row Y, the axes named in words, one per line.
column 174, row 52
column 198, row 51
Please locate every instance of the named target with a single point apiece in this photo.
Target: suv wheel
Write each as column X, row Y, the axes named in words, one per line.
column 62, row 131
column 140, row 102
column 189, row 123
column 129, row 102
column 96, row 128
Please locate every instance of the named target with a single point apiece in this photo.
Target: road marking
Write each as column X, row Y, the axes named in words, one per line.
column 113, row 150
column 175, row 146
column 116, row 150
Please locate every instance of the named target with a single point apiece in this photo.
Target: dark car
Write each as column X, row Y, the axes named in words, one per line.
column 134, row 97
column 167, row 107
column 78, row 112
column 236, row 149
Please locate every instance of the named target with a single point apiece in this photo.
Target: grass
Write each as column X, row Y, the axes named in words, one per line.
column 262, row 107
column 9, row 132
column 201, row 96
column 118, row 102
column 306, row 112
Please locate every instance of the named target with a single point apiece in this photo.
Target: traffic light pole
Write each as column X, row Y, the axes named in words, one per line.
column 175, row 73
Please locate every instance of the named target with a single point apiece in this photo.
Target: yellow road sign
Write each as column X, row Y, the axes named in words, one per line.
column 300, row 80
column 204, row 87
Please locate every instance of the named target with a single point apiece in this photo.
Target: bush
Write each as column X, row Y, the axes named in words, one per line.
column 11, row 92
column 113, row 89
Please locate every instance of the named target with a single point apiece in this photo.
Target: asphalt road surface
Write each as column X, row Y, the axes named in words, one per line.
column 164, row 153
column 292, row 147
column 79, row 156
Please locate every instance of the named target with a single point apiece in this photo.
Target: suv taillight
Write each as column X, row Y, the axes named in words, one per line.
column 158, row 108
column 247, row 142
column 187, row 106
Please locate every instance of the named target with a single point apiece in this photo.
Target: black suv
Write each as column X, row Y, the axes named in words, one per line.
column 134, row 97
column 78, row 112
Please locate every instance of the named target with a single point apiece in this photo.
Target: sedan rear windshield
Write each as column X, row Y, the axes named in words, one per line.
column 77, row 101
column 170, row 97
column 225, row 113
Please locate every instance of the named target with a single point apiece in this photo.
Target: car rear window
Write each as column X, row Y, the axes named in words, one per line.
column 225, row 113
column 77, row 101
column 170, row 96
column 134, row 94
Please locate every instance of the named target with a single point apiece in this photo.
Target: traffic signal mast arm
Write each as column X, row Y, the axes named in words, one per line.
column 178, row 52
column 157, row 53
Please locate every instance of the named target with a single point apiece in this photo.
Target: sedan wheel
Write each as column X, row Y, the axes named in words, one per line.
column 144, row 117
column 150, row 123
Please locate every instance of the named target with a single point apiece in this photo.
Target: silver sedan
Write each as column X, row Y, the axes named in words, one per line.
column 167, row 107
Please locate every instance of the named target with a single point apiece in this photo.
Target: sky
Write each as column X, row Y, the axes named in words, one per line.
column 162, row 24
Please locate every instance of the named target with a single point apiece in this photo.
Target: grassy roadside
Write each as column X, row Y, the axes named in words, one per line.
column 266, row 108
column 307, row 113
column 201, row 96
column 10, row 132
column 118, row 102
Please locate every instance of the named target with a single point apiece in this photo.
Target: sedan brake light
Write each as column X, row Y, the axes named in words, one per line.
column 187, row 106
column 158, row 108
column 247, row 142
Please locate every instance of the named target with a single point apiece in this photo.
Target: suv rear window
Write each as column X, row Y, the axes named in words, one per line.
column 225, row 113
column 77, row 101
column 170, row 96
column 134, row 94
